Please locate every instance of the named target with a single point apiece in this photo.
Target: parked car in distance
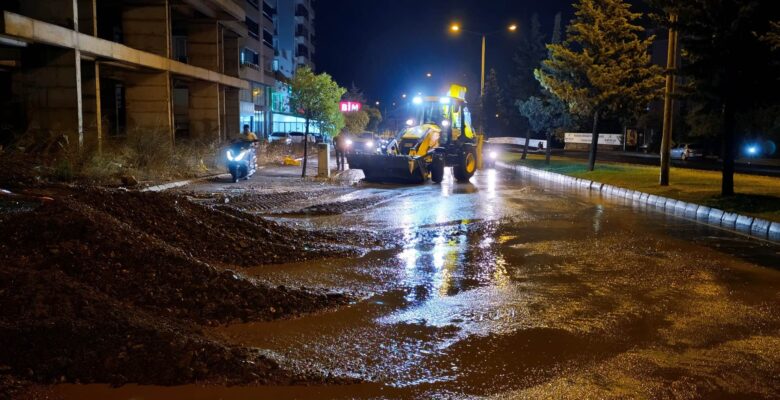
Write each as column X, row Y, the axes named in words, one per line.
column 320, row 138
column 365, row 142
column 280, row 137
column 297, row 137
column 687, row 151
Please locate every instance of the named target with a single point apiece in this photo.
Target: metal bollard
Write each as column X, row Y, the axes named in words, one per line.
column 323, row 158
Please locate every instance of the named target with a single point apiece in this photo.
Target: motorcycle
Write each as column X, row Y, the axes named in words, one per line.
column 242, row 160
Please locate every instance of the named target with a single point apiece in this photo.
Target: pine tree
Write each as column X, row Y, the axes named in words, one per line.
column 603, row 67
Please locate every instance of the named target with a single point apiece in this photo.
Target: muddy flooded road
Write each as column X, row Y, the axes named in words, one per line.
column 509, row 287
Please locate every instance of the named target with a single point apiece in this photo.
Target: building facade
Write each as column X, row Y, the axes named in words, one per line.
column 95, row 70
column 294, row 48
column 180, row 69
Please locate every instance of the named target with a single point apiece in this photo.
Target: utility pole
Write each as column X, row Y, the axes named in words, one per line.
column 671, row 66
column 482, row 76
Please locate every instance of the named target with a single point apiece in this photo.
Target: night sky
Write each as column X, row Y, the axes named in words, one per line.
column 387, row 47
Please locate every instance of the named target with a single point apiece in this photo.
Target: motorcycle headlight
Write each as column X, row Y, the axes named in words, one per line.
column 240, row 155
column 230, row 155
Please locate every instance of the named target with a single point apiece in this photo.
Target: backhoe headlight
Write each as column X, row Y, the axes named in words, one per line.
column 409, row 122
column 445, row 123
column 417, row 100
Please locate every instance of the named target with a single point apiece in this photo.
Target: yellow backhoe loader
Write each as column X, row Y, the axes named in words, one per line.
column 439, row 134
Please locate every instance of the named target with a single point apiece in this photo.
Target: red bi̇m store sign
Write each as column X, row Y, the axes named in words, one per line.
column 349, row 106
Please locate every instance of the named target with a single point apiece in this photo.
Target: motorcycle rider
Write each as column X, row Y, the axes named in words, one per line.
column 248, row 135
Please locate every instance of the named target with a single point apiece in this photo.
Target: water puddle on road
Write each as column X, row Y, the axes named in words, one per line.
column 570, row 296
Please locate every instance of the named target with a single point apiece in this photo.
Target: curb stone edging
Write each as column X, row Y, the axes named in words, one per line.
column 754, row 227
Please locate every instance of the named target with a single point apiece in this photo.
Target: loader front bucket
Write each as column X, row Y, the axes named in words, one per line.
column 386, row 168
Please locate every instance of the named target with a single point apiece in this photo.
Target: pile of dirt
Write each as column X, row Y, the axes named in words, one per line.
column 210, row 233
column 56, row 329
column 105, row 286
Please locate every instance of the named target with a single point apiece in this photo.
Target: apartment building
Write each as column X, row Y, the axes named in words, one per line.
column 96, row 70
column 294, row 47
column 184, row 69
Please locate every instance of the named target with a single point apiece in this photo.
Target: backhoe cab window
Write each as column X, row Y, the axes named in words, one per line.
column 434, row 113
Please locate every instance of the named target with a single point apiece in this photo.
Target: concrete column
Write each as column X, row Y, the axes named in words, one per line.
column 90, row 99
column 204, row 111
column 149, row 109
column 232, row 113
column 203, row 45
column 148, row 27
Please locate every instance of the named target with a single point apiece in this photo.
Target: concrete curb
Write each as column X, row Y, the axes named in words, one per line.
column 176, row 184
column 755, row 227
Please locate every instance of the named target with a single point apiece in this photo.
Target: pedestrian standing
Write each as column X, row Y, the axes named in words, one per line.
column 340, row 146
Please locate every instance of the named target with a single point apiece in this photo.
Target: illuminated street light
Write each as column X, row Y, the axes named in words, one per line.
column 456, row 28
column 403, row 95
column 428, row 75
column 377, row 103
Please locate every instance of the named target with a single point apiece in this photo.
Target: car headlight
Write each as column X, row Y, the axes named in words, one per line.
column 493, row 155
column 370, row 144
column 349, row 142
column 445, row 123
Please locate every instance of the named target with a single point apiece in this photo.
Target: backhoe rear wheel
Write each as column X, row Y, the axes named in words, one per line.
column 437, row 169
column 467, row 165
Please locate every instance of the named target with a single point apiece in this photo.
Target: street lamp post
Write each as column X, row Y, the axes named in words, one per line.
column 456, row 28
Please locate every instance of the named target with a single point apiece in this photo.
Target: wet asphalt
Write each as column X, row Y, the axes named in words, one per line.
column 510, row 287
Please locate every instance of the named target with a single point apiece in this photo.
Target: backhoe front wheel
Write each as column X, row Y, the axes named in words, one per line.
column 437, row 169
column 466, row 166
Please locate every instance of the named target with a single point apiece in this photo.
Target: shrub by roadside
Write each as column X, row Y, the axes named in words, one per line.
column 50, row 156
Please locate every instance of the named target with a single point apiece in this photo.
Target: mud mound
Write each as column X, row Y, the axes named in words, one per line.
column 208, row 233
column 55, row 329
column 98, row 287
column 128, row 264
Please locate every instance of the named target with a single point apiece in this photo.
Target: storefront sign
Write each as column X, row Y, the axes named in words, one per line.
column 349, row 106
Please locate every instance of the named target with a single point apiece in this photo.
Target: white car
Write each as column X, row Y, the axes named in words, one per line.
column 297, row 137
column 686, row 152
column 280, row 137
